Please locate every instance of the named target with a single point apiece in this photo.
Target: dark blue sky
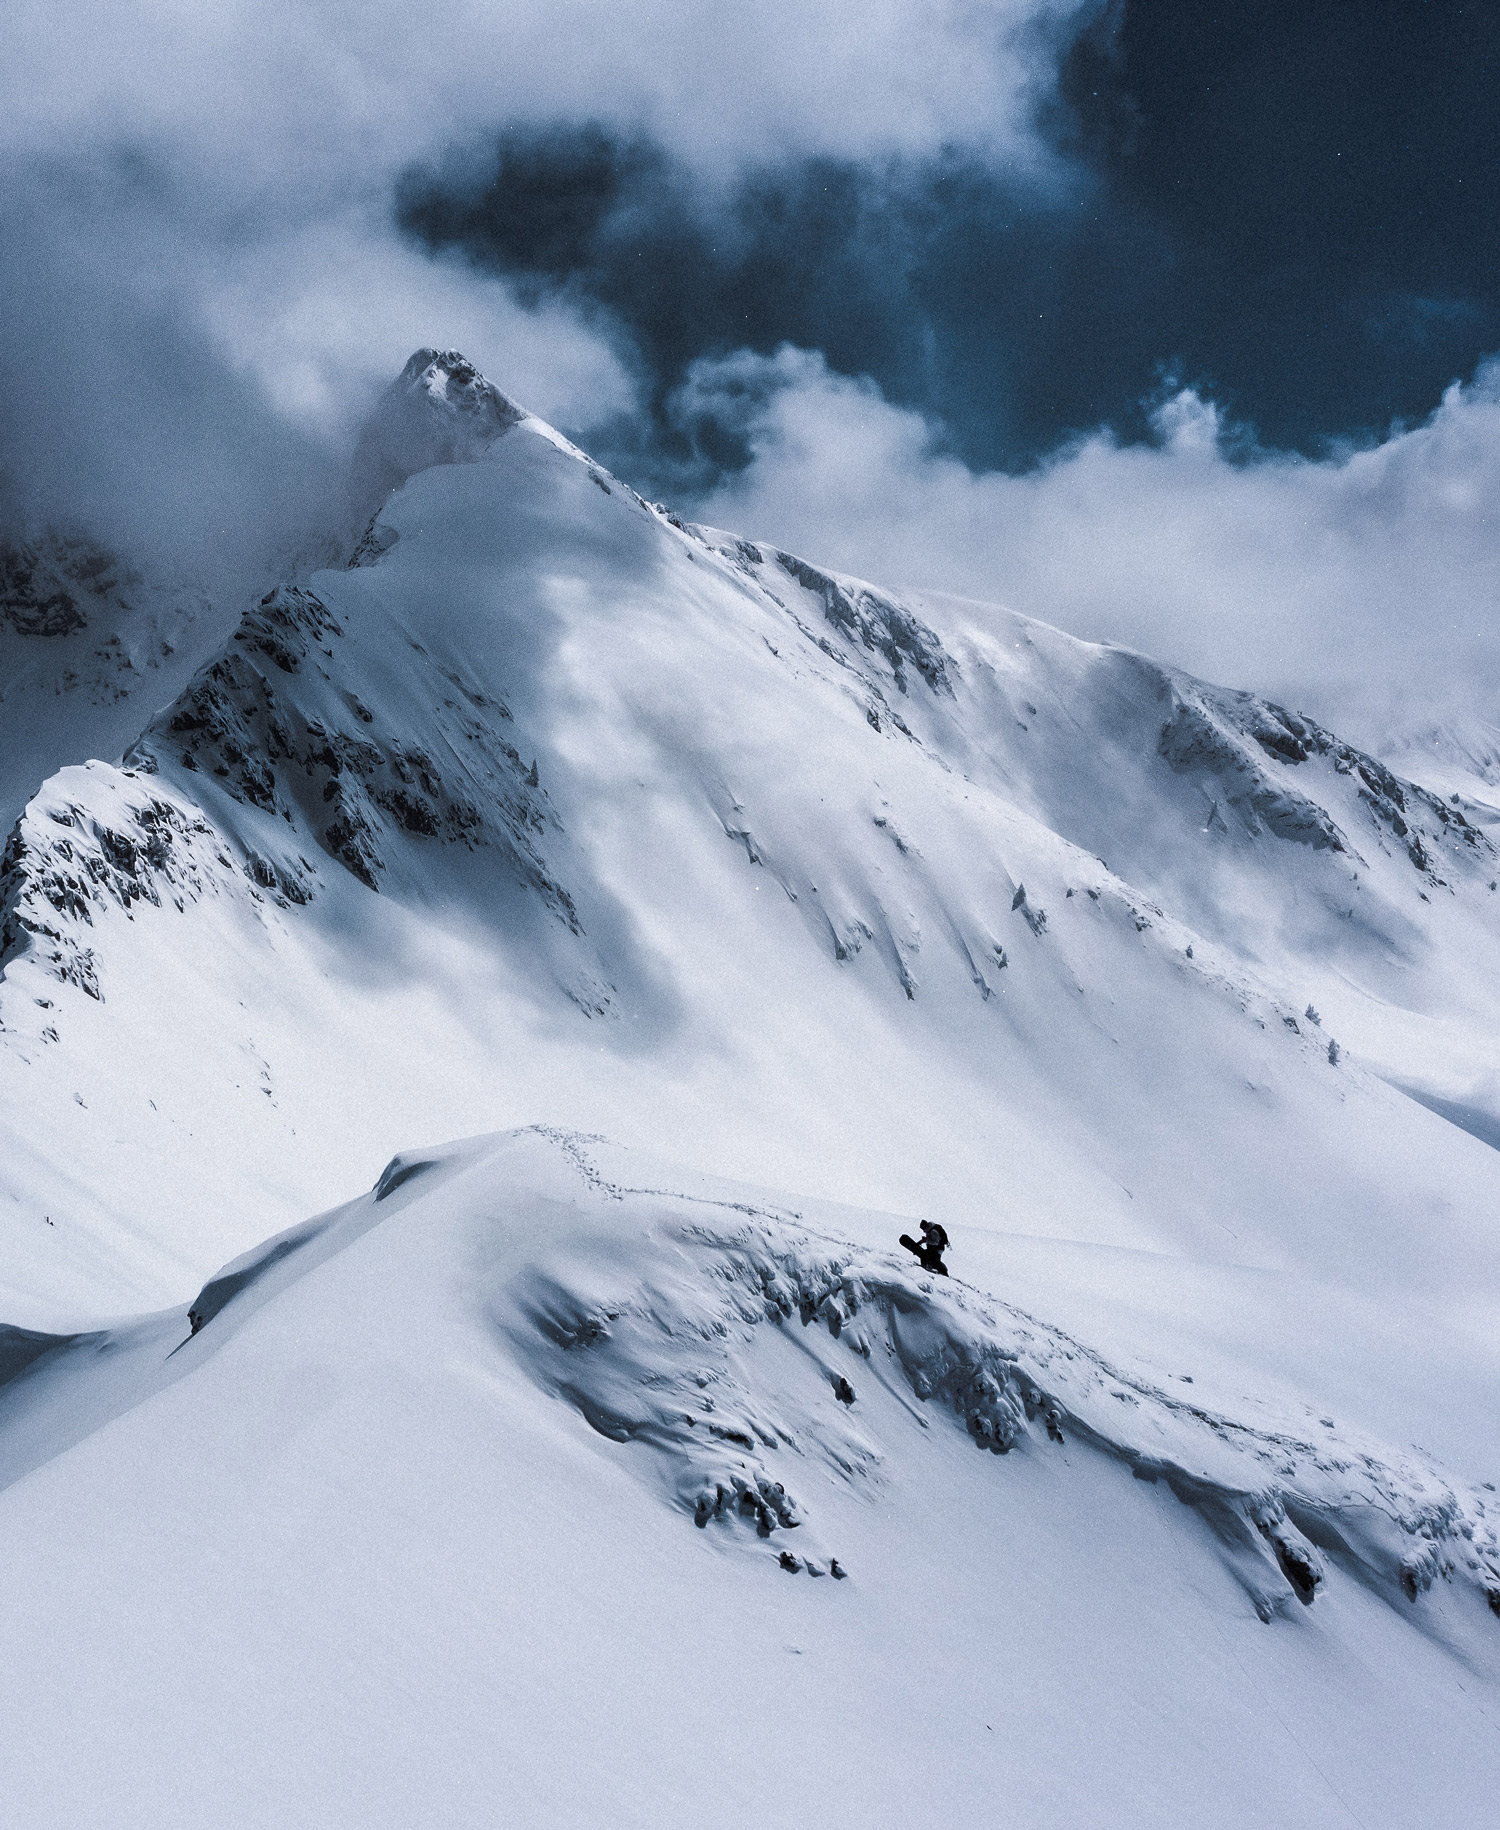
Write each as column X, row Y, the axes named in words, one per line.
column 1295, row 208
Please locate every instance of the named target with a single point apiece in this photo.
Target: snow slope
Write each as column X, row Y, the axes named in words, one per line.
column 547, row 1484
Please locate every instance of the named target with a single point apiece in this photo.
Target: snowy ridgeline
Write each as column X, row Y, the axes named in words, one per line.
column 748, row 1363
column 684, row 1348
column 370, row 749
column 371, row 718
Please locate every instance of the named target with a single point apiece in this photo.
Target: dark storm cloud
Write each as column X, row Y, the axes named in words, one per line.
column 1292, row 208
column 957, row 289
column 1328, row 180
column 677, row 269
column 201, row 282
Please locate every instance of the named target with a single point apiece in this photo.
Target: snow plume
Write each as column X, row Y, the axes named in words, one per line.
column 202, row 284
column 1360, row 584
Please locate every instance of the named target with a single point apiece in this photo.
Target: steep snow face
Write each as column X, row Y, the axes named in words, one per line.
column 1366, row 898
column 606, row 1485
column 551, row 808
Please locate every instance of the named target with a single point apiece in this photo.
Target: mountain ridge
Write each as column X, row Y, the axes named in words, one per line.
column 489, row 1434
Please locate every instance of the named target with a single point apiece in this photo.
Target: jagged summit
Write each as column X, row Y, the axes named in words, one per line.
column 92, row 642
column 438, row 410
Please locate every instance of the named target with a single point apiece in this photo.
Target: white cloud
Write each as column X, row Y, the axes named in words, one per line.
column 200, row 278
column 325, row 318
column 251, row 91
column 1370, row 580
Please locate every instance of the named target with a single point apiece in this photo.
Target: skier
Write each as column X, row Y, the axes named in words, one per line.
column 930, row 1252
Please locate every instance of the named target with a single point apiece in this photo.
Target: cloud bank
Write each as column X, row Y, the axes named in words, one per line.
column 201, row 281
column 1360, row 586
column 253, row 92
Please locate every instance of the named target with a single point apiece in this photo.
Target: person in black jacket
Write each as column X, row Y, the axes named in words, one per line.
column 930, row 1252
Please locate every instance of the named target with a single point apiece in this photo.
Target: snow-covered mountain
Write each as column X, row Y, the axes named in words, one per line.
column 551, row 810
column 547, row 1482
column 89, row 648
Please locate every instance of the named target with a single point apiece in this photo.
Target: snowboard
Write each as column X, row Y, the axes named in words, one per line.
column 912, row 1246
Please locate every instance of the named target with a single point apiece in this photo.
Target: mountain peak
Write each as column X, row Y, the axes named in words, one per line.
column 439, row 410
